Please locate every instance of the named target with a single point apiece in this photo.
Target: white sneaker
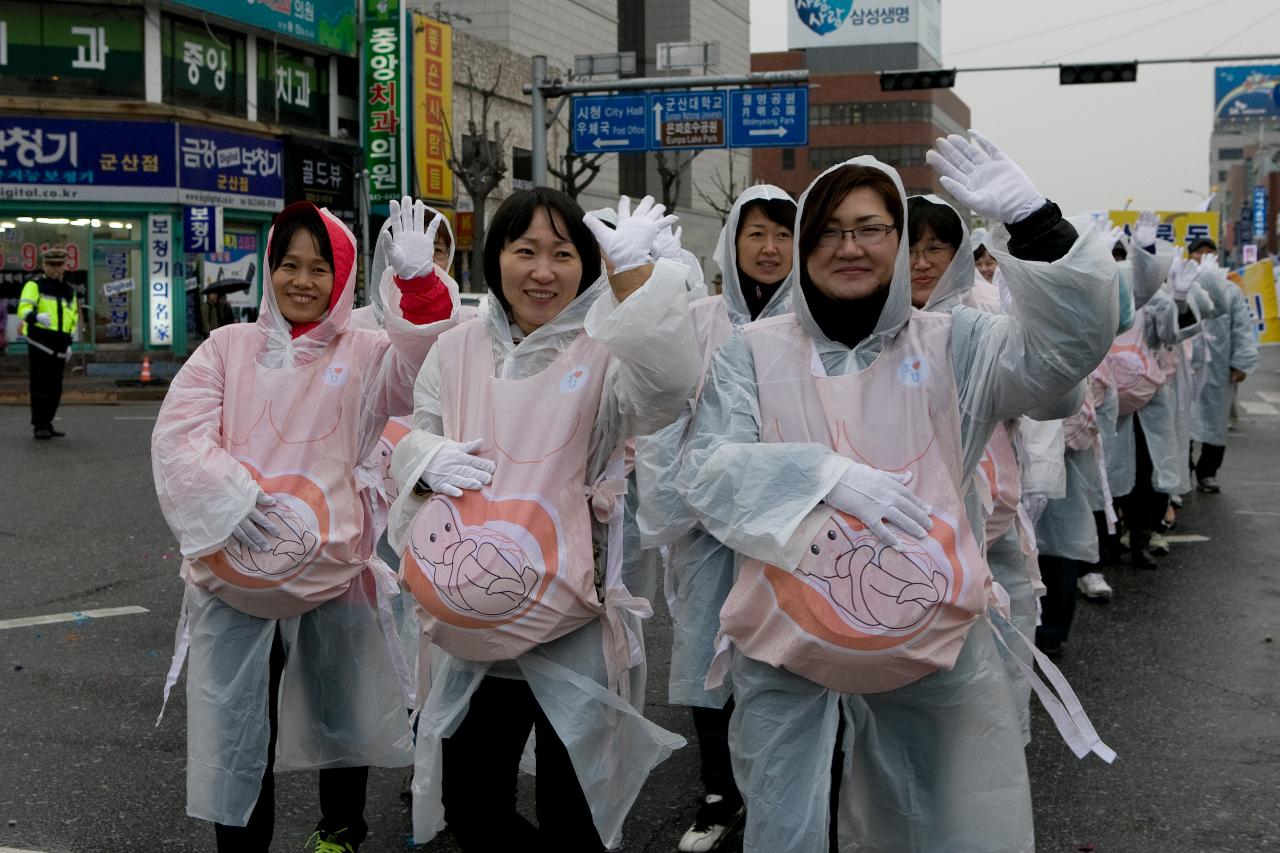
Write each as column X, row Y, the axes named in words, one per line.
column 1159, row 544
column 716, row 818
column 1094, row 587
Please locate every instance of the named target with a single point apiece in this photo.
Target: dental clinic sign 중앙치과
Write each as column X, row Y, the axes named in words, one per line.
column 837, row 23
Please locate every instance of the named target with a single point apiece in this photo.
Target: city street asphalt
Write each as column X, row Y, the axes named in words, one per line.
column 1180, row 673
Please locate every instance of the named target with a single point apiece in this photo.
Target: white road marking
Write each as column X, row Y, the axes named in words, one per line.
column 1270, row 396
column 74, row 616
column 152, row 418
column 17, row 850
column 1255, row 512
column 1259, row 408
column 1186, row 537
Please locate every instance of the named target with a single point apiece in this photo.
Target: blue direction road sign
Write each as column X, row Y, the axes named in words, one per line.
column 609, row 123
column 687, row 120
column 769, row 117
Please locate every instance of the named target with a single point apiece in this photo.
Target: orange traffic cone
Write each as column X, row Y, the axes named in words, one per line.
column 146, row 370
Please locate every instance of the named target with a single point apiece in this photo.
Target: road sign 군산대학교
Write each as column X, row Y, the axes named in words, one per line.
column 769, row 117
column 609, row 123
column 687, row 120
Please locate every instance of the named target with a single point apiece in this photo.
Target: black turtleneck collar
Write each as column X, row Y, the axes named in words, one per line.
column 755, row 293
column 848, row 321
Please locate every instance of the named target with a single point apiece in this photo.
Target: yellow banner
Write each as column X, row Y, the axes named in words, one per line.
column 1179, row 227
column 432, row 107
column 1259, row 286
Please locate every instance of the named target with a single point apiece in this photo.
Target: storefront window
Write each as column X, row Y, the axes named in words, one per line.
column 293, row 88
column 204, row 66
column 71, row 49
column 103, row 260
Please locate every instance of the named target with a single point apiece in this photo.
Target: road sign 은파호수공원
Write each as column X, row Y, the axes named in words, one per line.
column 687, row 119
column 772, row 117
column 609, row 123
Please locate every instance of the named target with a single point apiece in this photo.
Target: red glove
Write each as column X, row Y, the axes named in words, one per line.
column 424, row 300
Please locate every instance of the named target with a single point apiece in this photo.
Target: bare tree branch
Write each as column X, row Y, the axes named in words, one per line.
column 726, row 190
column 478, row 162
column 671, row 168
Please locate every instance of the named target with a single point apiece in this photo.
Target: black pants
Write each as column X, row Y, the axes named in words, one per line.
column 342, row 790
column 712, row 726
column 1210, row 460
column 46, row 386
column 481, row 762
column 1058, row 606
column 1143, row 507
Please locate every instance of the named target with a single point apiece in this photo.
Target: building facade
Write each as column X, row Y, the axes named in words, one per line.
column 849, row 115
column 130, row 133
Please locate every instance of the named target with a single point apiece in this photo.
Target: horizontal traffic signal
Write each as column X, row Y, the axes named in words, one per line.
column 901, row 81
column 1098, row 72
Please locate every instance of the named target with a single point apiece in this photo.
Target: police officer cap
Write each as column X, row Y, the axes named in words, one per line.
column 55, row 255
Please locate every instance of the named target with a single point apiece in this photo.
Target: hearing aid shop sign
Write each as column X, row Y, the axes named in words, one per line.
column 70, row 160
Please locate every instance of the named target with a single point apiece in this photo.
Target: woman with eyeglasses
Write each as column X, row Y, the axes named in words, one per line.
column 831, row 449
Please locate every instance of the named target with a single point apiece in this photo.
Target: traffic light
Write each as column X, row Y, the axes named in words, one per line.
column 901, row 81
column 1098, row 72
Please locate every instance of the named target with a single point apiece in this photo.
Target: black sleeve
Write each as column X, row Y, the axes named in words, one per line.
column 1042, row 236
column 1186, row 317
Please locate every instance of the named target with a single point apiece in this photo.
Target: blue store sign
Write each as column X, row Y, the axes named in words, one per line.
column 65, row 160
column 219, row 167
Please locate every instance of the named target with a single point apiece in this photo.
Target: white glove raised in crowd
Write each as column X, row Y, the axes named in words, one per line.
column 667, row 243
column 982, row 178
column 1108, row 230
column 248, row 533
column 874, row 497
column 453, row 468
column 627, row 246
column 1034, row 503
column 413, row 245
column 1182, row 274
column 43, row 319
column 1144, row 230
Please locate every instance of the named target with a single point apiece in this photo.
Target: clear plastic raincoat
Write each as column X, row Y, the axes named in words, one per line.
column 699, row 569
column 652, row 370
column 257, row 410
column 764, row 499
column 1231, row 344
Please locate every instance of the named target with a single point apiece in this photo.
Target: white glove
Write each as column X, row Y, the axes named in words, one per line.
column 1209, row 263
column 874, row 497
column 984, row 179
column 627, row 246
column 667, row 243
column 1108, row 230
column 1144, row 230
column 454, row 468
column 1034, row 503
column 413, row 244
column 43, row 319
column 248, row 534
column 1182, row 274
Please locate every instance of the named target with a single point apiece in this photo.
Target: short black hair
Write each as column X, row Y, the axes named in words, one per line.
column 925, row 216
column 979, row 252
column 779, row 210
column 1119, row 252
column 511, row 221
column 299, row 220
column 1202, row 243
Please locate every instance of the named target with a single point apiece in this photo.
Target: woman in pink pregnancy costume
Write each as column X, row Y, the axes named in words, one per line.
column 512, row 546
column 254, row 454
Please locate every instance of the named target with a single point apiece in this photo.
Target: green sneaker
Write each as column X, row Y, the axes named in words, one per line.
column 330, row 842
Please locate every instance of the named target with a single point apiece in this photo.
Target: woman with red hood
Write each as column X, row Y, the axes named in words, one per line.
column 254, row 456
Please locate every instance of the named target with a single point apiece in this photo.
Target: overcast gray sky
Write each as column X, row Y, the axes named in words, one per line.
column 1090, row 147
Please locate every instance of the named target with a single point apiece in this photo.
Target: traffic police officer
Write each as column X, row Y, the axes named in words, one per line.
column 49, row 313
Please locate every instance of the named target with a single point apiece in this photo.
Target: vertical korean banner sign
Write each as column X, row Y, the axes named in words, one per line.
column 1259, row 286
column 432, row 107
column 382, row 99
column 160, row 278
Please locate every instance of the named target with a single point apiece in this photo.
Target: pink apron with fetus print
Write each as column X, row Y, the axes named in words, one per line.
column 506, row 568
column 295, row 430
column 1134, row 367
column 855, row 615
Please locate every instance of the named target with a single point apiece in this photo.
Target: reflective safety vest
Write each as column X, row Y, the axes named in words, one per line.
column 39, row 296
